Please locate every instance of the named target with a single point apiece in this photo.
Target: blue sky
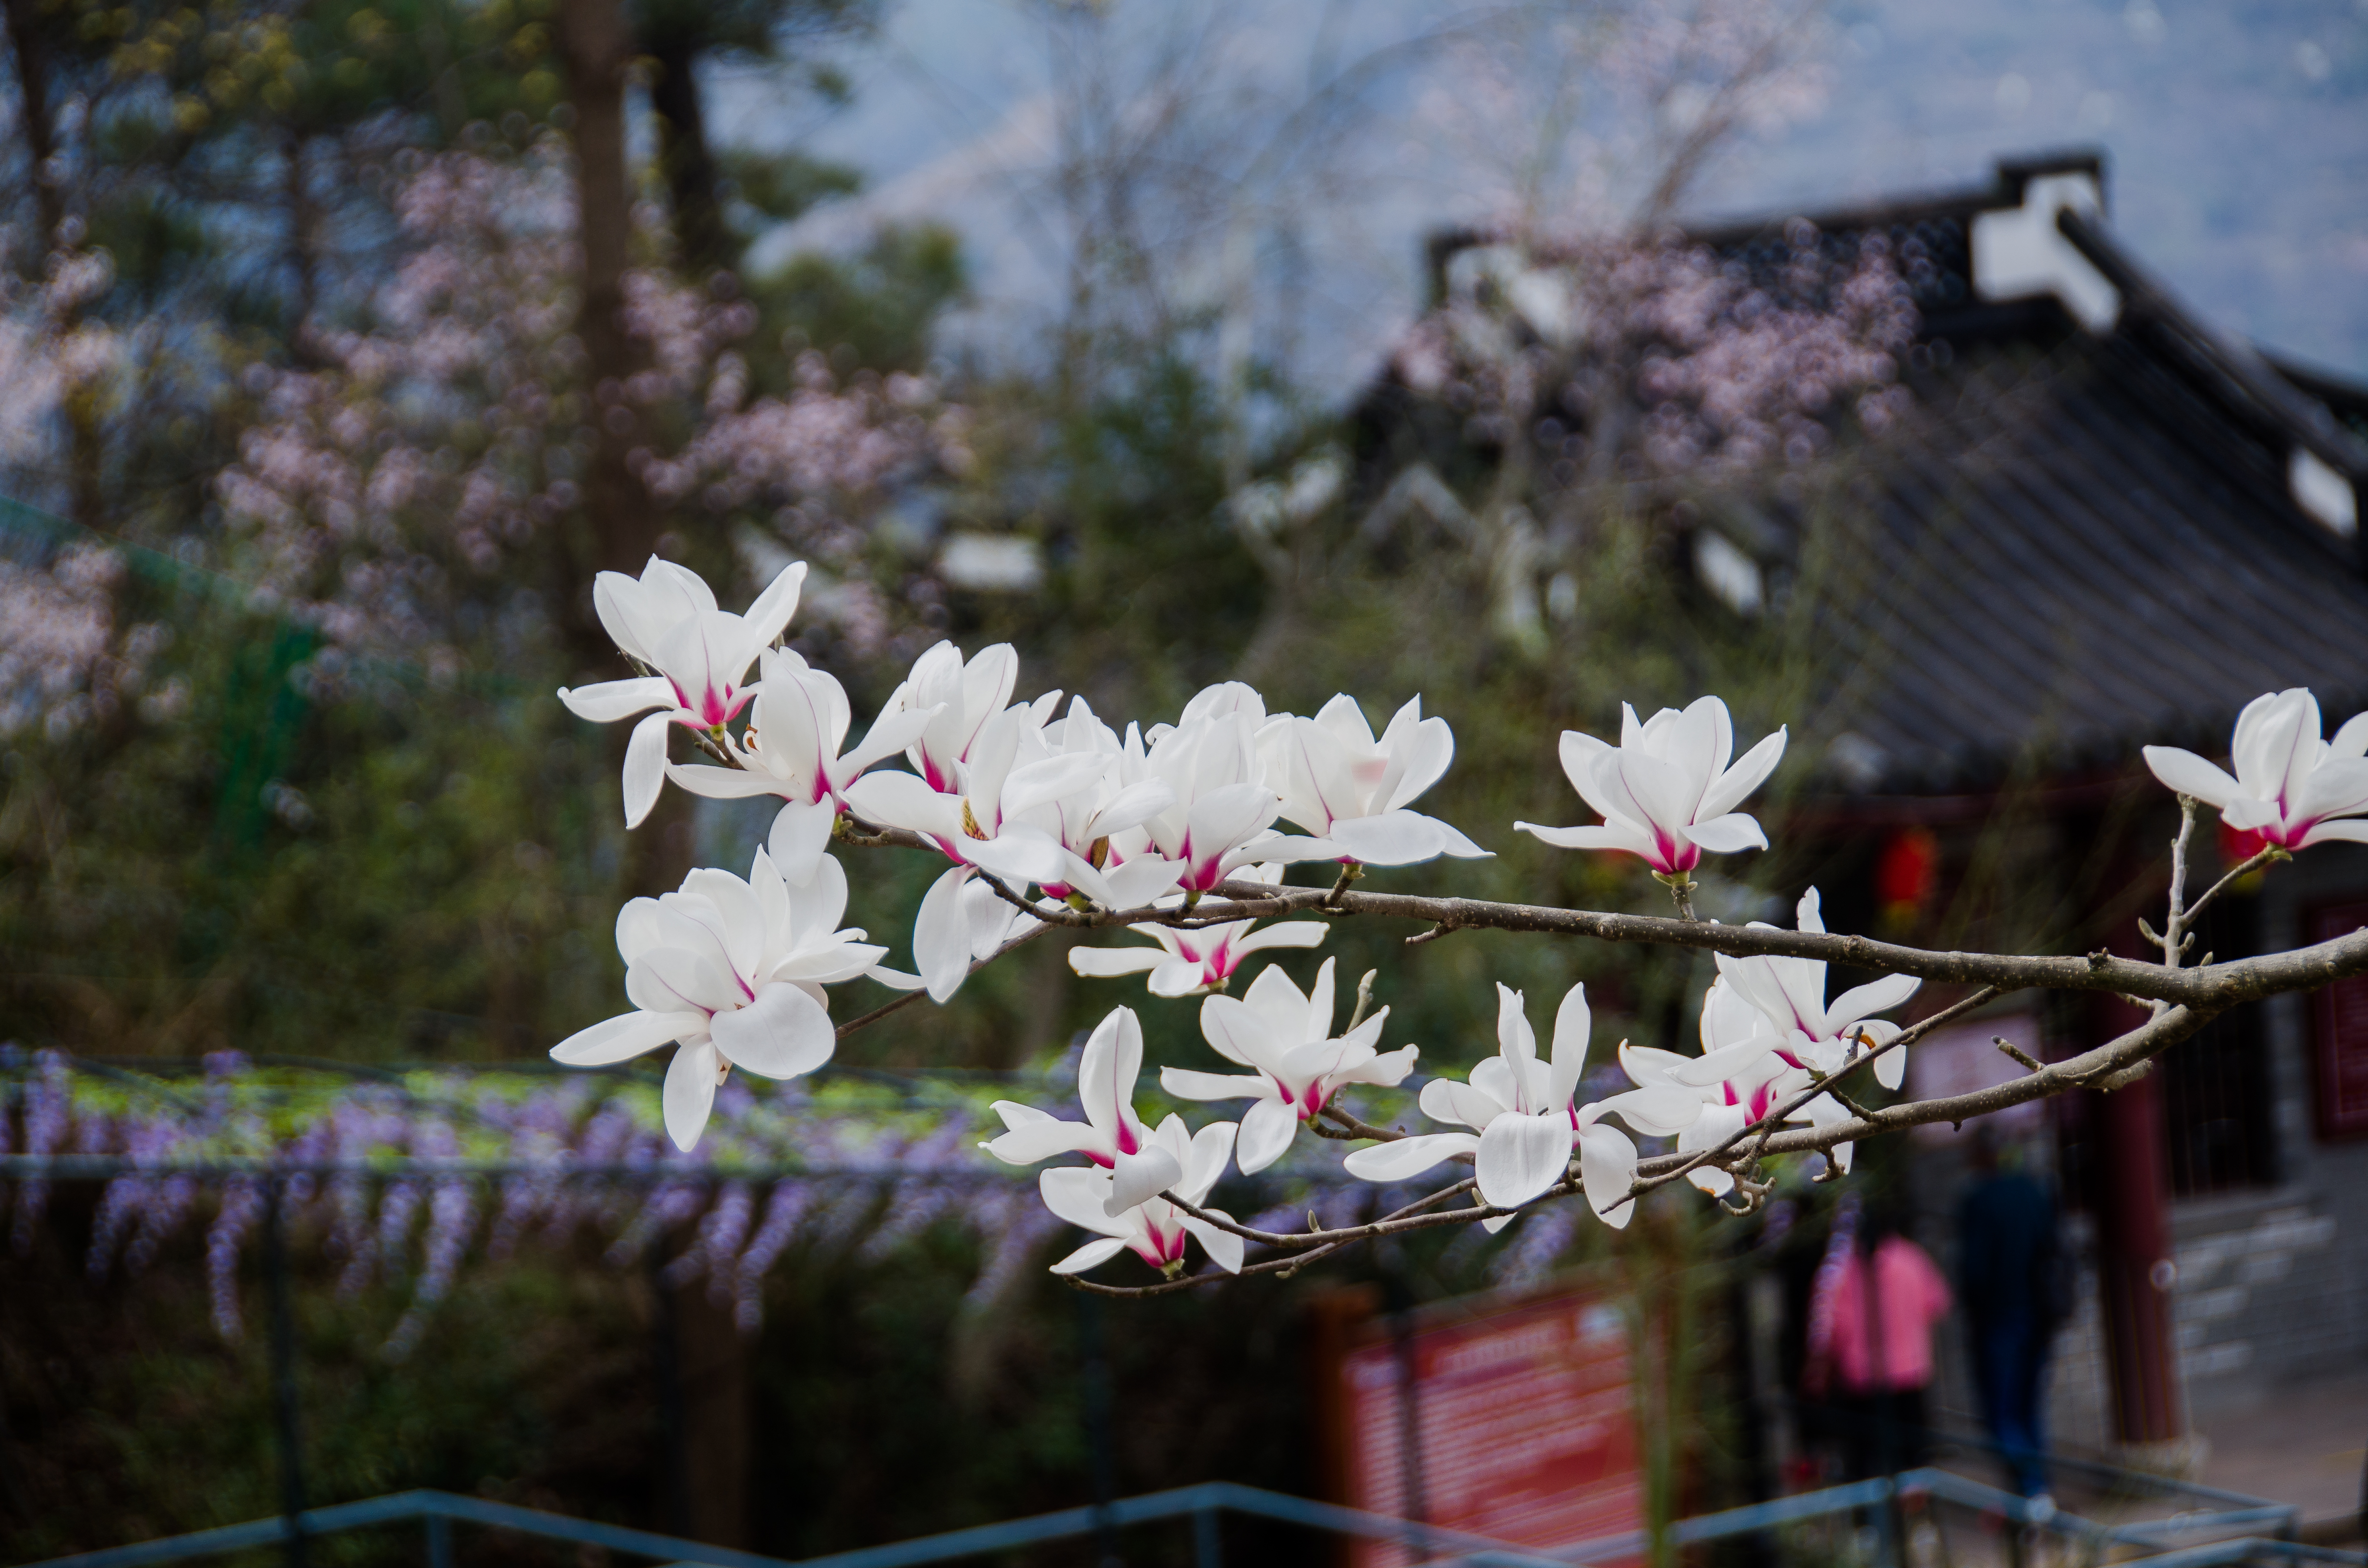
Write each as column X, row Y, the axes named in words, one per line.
column 2238, row 135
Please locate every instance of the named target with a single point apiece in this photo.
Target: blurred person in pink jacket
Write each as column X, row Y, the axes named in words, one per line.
column 1880, row 1300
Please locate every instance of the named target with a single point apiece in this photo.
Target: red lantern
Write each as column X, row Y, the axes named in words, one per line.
column 1907, row 872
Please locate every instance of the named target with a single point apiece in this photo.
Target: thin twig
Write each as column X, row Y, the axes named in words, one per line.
column 1364, row 999
column 2263, row 858
column 1767, row 1125
column 2028, row 1060
column 906, row 1000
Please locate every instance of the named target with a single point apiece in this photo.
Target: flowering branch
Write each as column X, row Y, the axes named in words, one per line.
column 1050, row 820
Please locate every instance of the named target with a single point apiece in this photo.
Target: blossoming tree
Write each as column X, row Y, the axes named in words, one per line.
column 1054, row 818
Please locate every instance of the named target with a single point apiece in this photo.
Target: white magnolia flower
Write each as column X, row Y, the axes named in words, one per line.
column 1743, row 1073
column 1111, row 1136
column 791, row 749
column 1340, row 784
column 2291, row 787
column 982, row 826
column 667, row 622
column 1222, row 809
column 1093, row 822
column 732, row 972
column 1665, row 791
column 1187, row 962
column 1802, row 1028
column 1525, row 1125
column 1287, row 1036
column 1154, row 1229
column 963, row 696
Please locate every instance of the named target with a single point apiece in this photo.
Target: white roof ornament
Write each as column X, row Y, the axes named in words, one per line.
column 2020, row 253
column 2322, row 491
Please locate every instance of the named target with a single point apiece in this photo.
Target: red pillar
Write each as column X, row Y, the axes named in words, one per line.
column 2132, row 1199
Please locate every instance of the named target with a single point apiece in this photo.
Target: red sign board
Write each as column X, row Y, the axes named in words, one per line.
column 1523, row 1422
column 2341, row 1013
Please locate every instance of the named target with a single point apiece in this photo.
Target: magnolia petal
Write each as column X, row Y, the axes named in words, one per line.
column 1444, row 1099
column 1018, row 856
column 1659, row 1111
column 1224, row 1247
column 899, row 800
column 769, row 615
column 895, row 979
column 1186, row 1084
column 1238, row 1030
column 780, row 1035
column 1606, row 1163
column 646, row 763
column 1137, row 1177
column 1093, row 1254
column 1138, row 882
column 1891, row 1069
column 2341, row 831
column 1282, row 849
column 941, row 936
column 800, row 838
column 1283, row 934
column 1030, row 1142
column 1134, row 806
column 1729, row 834
column 2351, row 740
column 1728, row 1062
column 1604, row 837
column 1016, row 1115
column 1107, row 963
column 1728, row 790
column 1177, row 978
column 1074, row 1193
column 1461, row 847
column 1266, row 1133
column 1573, row 1026
column 1874, row 996
column 2184, row 773
column 890, row 733
column 1712, row 1179
column 724, row 783
column 690, row 1093
column 610, row 700
column 1406, row 1158
column 1393, row 839
column 1520, row 1157
column 1580, row 755
column 1204, row 1157
column 2249, row 814
column 1387, row 1069
column 624, row 1037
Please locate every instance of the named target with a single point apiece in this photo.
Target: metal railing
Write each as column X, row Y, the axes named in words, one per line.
column 1203, row 1505
column 2156, row 1541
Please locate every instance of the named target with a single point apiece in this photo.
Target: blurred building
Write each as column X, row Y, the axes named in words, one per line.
column 2105, row 524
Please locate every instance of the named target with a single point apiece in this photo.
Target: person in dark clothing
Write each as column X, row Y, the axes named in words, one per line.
column 2007, row 1273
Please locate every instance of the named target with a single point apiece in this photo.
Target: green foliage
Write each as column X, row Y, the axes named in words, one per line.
column 875, row 309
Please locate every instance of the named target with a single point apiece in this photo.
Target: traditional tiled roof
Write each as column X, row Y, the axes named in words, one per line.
column 2106, row 525
column 2095, row 535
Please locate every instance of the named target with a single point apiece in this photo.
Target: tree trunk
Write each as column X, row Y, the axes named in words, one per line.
column 32, row 50
column 82, row 401
column 620, row 521
column 597, row 49
column 706, row 244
